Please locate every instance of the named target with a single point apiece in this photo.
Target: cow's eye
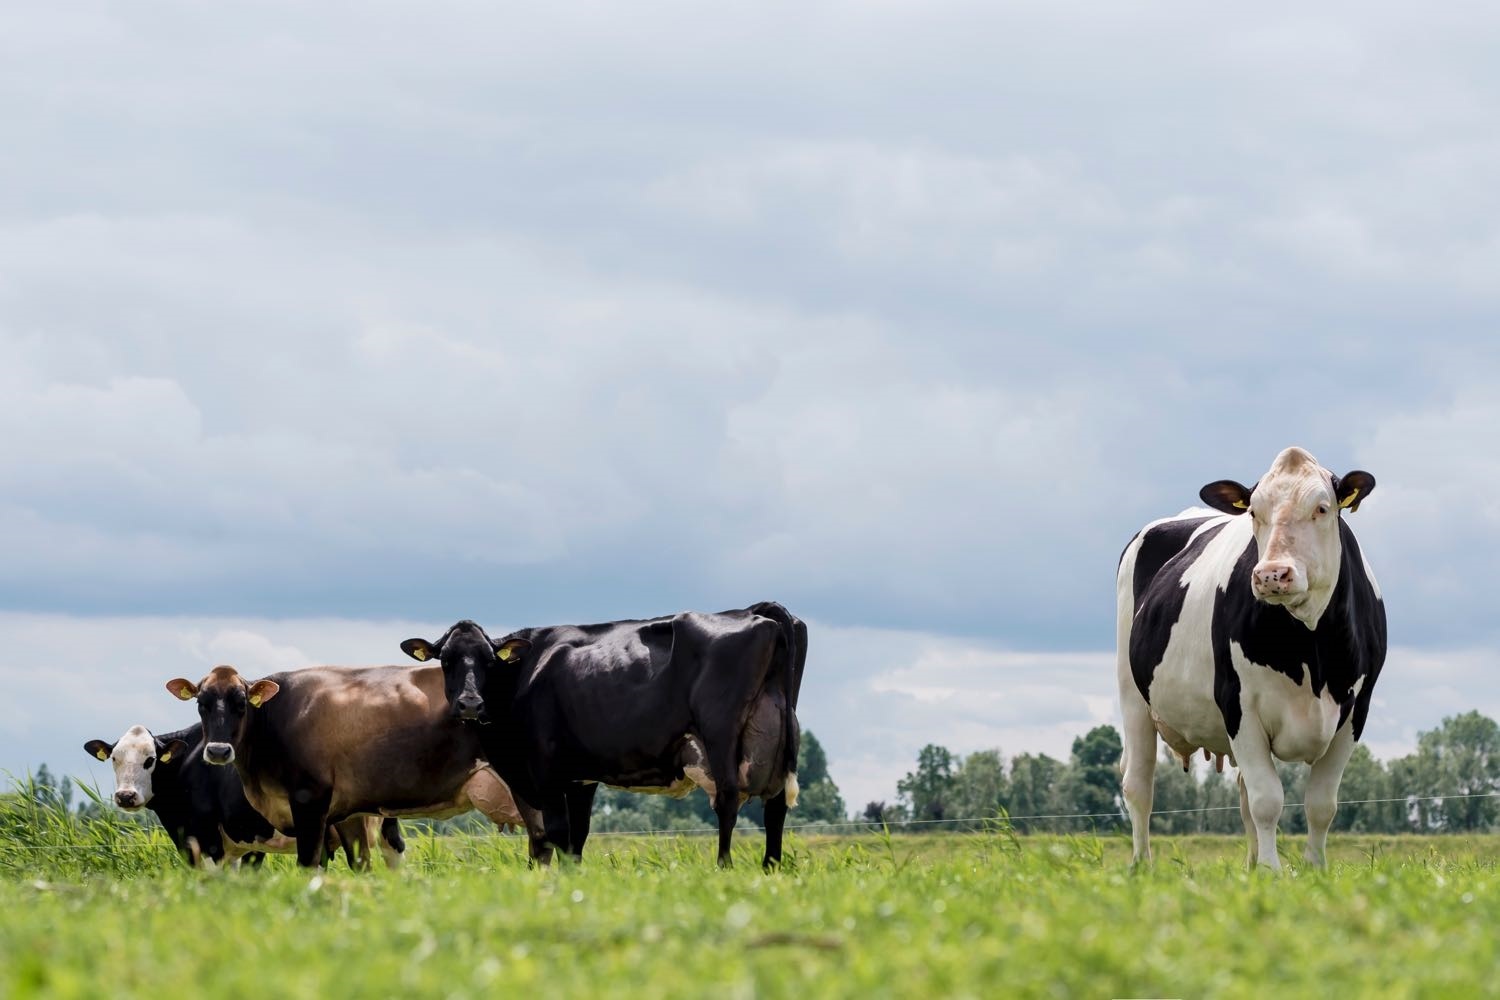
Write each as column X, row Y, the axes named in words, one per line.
column 1322, row 508
column 150, row 762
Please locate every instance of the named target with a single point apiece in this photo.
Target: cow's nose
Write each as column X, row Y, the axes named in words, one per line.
column 218, row 753
column 469, row 706
column 127, row 800
column 1275, row 577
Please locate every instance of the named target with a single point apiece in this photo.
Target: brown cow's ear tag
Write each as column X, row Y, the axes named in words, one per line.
column 184, row 694
column 255, row 701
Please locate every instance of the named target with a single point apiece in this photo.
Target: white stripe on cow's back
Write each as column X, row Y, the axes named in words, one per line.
column 1370, row 574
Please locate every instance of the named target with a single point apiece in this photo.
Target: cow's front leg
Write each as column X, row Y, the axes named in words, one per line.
column 1322, row 795
column 554, row 833
column 536, row 833
column 1262, row 794
column 310, row 818
column 580, row 802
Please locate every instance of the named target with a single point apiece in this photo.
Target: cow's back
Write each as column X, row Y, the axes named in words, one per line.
column 377, row 736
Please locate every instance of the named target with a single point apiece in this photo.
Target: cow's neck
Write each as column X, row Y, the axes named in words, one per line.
column 504, row 739
column 170, row 806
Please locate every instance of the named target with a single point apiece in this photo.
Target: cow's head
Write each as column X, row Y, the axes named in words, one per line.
column 136, row 757
column 466, row 655
column 1294, row 510
column 225, row 701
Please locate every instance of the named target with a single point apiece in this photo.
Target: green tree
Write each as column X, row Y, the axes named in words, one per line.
column 1465, row 750
column 980, row 785
column 818, row 799
column 1365, row 778
column 1029, row 792
column 928, row 790
column 1091, row 784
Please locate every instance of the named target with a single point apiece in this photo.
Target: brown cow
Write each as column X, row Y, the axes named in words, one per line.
column 322, row 744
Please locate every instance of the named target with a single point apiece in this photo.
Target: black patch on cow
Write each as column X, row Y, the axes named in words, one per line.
column 1349, row 642
column 1160, row 592
column 1160, row 544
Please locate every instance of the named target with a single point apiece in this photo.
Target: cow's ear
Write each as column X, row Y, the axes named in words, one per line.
column 1352, row 489
column 261, row 692
column 511, row 650
column 1227, row 495
column 183, row 688
column 419, row 649
column 167, row 752
column 99, row 749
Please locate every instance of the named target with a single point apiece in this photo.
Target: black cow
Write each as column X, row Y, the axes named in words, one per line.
column 658, row 705
column 204, row 809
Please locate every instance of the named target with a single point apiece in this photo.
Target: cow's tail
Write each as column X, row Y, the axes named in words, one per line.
column 787, row 665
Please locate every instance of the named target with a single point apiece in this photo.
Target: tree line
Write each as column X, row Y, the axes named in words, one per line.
column 1450, row 783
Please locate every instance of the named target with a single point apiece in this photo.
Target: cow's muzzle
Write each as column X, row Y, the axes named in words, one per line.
column 218, row 753
column 1277, row 578
column 128, row 798
column 470, row 708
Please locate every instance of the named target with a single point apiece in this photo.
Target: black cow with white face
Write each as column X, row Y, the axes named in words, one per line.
column 660, row 705
column 1254, row 630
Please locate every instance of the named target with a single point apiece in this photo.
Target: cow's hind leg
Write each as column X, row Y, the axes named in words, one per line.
column 1138, row 766
column 1322, row 794
column 776, row 808
column 1248, row 821
column 580, row 803
column 392, row 846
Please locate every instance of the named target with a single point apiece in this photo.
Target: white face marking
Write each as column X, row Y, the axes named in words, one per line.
column 132, row 777
column 1295, row 519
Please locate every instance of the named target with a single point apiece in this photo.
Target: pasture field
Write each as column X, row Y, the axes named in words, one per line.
column 982, row 915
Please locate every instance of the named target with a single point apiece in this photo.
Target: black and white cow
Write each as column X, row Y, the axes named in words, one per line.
column 1254, row 633
column 659, row 705
column 204, row 809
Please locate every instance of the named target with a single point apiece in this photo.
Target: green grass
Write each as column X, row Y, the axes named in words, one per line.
column 960, row 915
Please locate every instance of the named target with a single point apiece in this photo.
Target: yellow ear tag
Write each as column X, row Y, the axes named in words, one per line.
column 506, row 653
column 420, row 652
column 101, row 754
column 164, row 758
column 255, row 701
column 1351, row 498
column 1242, row 505
column 184, row 694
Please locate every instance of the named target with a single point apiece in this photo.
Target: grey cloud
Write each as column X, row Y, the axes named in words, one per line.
column 907, row 316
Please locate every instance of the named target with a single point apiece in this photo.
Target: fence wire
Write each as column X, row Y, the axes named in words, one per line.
column 870, row 826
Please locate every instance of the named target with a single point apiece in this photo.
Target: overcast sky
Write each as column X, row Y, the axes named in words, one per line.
column 324, row 324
